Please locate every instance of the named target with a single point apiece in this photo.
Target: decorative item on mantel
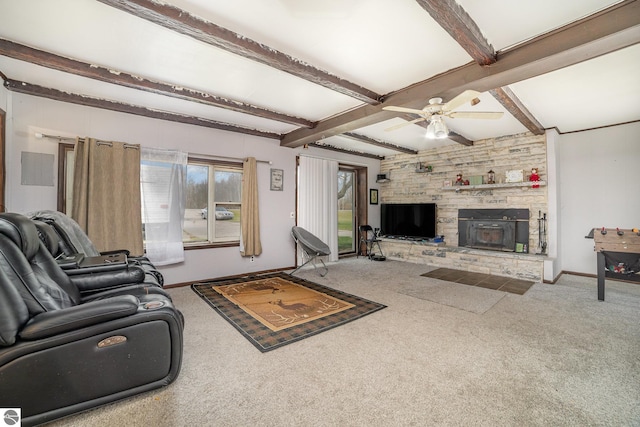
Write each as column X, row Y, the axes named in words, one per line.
column 491, row 177
column 423, row 169
column 534, row 177
column 474, row 180
column 460, row 181
column 514, row 176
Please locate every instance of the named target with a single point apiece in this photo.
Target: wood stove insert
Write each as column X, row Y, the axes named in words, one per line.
column 494, row 229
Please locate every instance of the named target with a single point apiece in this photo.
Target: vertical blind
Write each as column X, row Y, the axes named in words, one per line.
column 318, row 200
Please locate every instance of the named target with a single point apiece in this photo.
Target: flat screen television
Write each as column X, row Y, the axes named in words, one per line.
column 409, row 220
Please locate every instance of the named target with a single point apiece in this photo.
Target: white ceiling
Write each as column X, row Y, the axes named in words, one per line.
column 382, row 45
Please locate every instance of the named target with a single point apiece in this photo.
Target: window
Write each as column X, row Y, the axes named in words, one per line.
column 199, row 228
column 214, row 196
column 346, row 210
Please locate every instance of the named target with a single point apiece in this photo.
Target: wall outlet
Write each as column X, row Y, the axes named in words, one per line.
column 252, row 259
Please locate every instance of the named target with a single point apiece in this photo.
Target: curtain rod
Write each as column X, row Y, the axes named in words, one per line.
column 68, row 138
column 209, row 156
column 213, row 156
column 344, row 162
column 59, row 138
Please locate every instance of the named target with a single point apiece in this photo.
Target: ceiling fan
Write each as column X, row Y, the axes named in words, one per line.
column 436, row 110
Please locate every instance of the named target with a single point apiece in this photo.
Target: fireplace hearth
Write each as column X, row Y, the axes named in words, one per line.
column 494, row 229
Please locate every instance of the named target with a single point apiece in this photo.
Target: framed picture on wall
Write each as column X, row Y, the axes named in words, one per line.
column 277, row 179
column 373, row 196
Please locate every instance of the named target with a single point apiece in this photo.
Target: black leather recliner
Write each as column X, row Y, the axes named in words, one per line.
column 61, row 353
column 72, row 240
column 99, row 275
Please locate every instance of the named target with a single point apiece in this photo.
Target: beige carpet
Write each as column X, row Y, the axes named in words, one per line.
column 555, row 356
column 464, row 297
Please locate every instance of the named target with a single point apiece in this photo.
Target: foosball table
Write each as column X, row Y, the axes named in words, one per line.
column 618, row 255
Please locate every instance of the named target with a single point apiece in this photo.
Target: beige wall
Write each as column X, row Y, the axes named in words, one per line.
column 28, row 115
column 599, row 180
column 4, row 93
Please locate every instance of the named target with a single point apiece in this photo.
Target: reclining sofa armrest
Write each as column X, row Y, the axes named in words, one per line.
column 98, row 268
column 118, row 251
column 69, row 261
column 89, row 281
column 91, row 313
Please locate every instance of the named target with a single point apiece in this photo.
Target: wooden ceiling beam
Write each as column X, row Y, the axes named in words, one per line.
column 378, row 143
column 609, row 30
column 117, row 77
column 183, row 22
column 58, row 95
column 516, row 108
column 457, row 22
column 344, row 150
column 456, row 137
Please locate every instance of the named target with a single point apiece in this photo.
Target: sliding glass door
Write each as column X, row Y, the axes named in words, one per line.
column 332, row 202
column 346, row 211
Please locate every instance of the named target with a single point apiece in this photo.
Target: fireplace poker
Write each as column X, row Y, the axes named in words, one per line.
column 542, row 232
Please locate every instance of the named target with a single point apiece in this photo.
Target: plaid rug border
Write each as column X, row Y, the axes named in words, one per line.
column 262, row 337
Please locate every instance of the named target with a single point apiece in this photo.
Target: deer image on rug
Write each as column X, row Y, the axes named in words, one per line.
column 279, row 304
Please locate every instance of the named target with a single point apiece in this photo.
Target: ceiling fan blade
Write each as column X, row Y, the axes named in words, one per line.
column 403, row 109
column 399, row 125
column 475, row 115
column 465, row 96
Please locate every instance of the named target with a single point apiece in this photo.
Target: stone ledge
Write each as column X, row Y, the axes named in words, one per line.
column 523, row 184
column 510, row 264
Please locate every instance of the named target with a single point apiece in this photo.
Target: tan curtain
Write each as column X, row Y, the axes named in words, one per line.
column 249, row 218
column 106, row 194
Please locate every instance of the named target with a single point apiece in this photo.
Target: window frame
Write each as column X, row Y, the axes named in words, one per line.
column 3, row 173
column 213, row 165
column 64, row 173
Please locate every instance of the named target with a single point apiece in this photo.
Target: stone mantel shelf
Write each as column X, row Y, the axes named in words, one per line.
column 464, row 250
column 489, row 186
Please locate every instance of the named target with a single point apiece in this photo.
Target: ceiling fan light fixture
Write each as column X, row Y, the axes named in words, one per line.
column 437, row 129
column 441, row 130
column 431, row 131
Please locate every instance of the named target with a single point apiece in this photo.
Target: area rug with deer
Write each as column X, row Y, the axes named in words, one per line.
column 277, row 309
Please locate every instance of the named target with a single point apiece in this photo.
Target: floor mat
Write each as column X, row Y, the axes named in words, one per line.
column 488, row 281
column 277, row 309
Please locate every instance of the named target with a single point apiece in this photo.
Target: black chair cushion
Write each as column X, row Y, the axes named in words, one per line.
column 13, row 312
column 22, row 231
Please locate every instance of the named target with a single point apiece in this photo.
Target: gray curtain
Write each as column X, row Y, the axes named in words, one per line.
column 106, row 194
column 249, row 216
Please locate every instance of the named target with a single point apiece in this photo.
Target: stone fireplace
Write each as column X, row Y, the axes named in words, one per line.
column 494, row 229
column 493, row 244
